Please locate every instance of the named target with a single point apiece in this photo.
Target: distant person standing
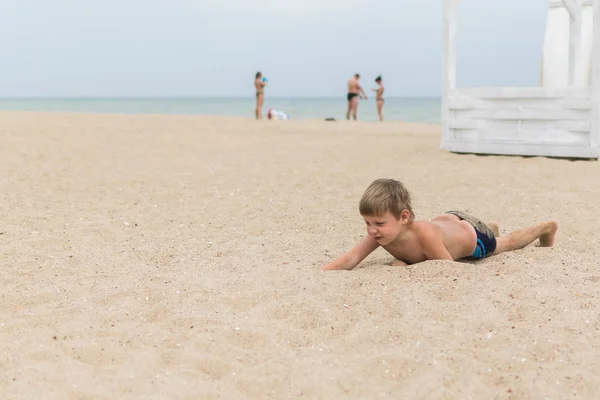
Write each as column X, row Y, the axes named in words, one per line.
column 354, row 92
column 259, row 84
column 379, row 97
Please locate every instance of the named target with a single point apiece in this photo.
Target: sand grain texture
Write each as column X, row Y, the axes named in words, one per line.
column 179, row 257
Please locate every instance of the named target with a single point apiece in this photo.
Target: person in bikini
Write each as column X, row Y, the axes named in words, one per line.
column 379, row 97
column 387, row 211
column 259, row 85
column 355, row 92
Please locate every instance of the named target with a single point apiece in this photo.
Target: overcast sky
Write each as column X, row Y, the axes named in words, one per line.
column 304, row 47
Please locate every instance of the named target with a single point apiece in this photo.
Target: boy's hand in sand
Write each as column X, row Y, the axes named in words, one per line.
column 398, row 263
column 353, row 257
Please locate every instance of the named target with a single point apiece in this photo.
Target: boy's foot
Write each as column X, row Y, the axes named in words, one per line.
column 547, row 238
column 494, row 227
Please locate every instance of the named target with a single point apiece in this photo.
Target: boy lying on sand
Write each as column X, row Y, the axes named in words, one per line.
column 386, row 209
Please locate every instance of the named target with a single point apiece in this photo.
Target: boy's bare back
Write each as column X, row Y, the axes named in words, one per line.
column 445, row 237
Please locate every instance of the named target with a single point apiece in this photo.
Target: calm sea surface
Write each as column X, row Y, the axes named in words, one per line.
column 418, row 109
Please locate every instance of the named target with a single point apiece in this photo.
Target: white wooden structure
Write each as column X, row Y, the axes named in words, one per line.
column 551, row 120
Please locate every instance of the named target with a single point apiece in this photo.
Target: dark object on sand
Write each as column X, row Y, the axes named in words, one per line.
column 329, row 119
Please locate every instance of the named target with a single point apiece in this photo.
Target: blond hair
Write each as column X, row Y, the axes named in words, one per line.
column 385, row 195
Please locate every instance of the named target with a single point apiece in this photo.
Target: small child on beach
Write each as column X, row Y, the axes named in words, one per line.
column 387, row 211
column 277, row 114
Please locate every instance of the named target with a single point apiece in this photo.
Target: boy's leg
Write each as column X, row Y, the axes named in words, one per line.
column 545, row 231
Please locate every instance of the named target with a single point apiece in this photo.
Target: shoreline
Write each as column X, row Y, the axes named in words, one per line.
column 205, row 118
column 408, row 109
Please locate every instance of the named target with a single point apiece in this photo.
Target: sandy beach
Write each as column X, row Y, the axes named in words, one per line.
column 180, row 257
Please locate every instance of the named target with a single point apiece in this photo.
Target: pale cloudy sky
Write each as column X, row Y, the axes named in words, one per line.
column 214, row 47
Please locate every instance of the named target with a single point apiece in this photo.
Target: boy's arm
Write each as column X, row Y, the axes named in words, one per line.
column 433, row 245
column 352, row 258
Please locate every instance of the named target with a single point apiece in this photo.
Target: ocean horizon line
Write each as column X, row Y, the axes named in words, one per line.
column 194, row 97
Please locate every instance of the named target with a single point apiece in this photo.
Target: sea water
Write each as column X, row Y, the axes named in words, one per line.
column 417, row 109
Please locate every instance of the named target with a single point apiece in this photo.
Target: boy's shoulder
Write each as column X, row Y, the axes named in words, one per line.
column 425, row 230
column 423, row 224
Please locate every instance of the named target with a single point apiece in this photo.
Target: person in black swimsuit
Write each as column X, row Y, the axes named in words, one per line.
column 354, row 93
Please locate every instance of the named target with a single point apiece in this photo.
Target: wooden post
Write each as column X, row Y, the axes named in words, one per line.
column 572, row 7
column 448, row 64
column 576, row 72
column 595, row 89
